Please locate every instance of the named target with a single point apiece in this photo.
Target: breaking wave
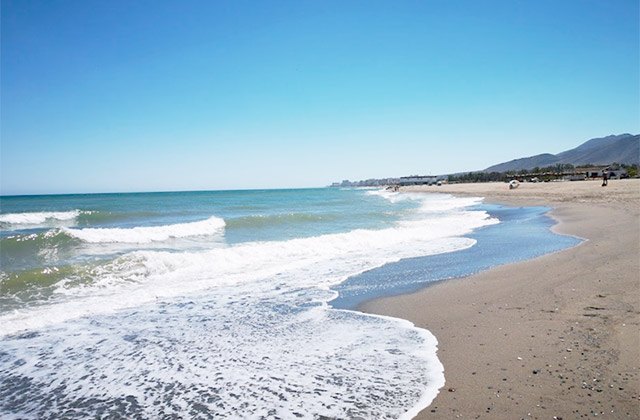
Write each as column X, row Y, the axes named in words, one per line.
column 37, row 218
column 147, row 234
column 142, row 276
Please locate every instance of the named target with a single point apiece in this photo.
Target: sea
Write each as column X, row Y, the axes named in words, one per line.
column 235, row 304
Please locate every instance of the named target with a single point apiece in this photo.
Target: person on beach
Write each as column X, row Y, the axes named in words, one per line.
column 605, row 179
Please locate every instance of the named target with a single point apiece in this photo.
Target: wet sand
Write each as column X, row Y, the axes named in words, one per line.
column 553, row 337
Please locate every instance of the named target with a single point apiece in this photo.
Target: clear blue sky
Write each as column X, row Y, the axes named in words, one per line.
column 180, row 95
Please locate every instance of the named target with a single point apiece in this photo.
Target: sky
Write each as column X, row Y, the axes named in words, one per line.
column 117, row 96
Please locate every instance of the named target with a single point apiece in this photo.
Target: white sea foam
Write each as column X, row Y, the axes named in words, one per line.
column 257, row 312
column 392, row 196
column 38, row 218
column 142, row 276
column 230, row 354
column 141, row 235
column 442, row 203
column 430, row 202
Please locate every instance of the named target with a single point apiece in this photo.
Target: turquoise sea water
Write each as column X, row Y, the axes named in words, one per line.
column 234, row 303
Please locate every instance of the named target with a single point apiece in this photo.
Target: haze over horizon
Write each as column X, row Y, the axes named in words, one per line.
column 157, row 96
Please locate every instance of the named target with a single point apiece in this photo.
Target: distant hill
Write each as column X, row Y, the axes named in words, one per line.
column 623, row 148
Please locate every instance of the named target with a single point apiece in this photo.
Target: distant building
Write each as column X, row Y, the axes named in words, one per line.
column 419, row 180
column 366, row 183
column 617, row 174
column 611, row 173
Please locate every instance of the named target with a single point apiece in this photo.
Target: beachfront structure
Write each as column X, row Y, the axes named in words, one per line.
column 618, row 174
column 611, row 173
column 575, row 174
column 419, row 180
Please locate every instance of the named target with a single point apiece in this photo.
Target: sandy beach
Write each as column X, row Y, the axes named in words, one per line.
column 550, row 338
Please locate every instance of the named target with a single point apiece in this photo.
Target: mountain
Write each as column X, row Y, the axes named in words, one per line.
column 623, row 148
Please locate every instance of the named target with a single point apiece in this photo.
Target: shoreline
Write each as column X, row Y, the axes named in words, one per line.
column 553, row 336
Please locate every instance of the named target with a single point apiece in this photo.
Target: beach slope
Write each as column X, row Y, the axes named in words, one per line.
column 553, row 337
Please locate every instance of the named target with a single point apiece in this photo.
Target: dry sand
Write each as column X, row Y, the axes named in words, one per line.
column 553, row 337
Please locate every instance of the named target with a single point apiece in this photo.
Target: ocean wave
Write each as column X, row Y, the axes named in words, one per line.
column 257, row 221
column 89, row 218
column 327, row 259
column 396, row 197
column 141, row 276
column 259, row 309
column 33, row 249
column 147, row 234
column 315, row 261
column 38, row 218
column 17, row 283
column 440, row 202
